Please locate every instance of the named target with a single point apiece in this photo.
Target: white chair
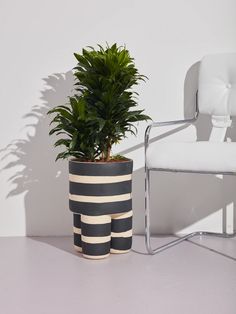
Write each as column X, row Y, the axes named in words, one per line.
column 216, row 97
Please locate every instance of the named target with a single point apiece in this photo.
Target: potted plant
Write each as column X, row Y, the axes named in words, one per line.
column 98, row 116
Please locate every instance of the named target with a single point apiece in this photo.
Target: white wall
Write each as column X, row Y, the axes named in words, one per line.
column 166, row 38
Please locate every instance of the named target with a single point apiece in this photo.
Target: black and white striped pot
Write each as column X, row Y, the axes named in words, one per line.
column 100, row 199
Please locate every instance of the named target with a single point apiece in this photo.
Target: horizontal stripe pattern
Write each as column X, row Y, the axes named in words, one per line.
column 101, row 189
column 120, row 243
column 100, row 235
column 77, row 221
column 125, row 234
column 121, row 225
column 99, row 199
column 96, row 230
column 96, row 240
column 102, row 219
column 100, row 168
column 96, row 256
column 121, row 236
column 122, row 215
column 100, row 249
column 95, row 209
column 77, row 232
column 96, row 236
column 113, row 251
column 99, row 180
column 77, row 240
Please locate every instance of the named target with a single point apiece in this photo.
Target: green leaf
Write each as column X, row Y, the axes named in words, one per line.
column 102, row 111
column 62, row 155
column 65, row 142
column 73, row 141
column 63, row 112
column 81, row 108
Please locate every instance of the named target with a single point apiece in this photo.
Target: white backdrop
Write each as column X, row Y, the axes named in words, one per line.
column 167, row 39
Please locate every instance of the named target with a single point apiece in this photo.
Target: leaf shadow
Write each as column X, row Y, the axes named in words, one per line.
column 32, row 162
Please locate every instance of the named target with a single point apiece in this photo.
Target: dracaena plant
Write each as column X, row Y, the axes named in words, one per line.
column 102, row 111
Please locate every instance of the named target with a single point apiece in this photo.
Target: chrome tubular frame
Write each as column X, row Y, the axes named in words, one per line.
column 147, row 193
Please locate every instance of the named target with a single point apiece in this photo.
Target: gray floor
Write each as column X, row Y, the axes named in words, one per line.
column 45, row 276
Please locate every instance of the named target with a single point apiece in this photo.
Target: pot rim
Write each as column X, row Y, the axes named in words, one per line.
column 73, row 159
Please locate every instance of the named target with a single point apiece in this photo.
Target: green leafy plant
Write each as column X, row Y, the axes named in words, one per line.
column 100, row 114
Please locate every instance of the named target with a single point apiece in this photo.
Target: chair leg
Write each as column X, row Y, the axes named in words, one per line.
column 149, row 248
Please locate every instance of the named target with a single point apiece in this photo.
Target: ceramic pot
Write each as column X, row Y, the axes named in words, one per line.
column 100, row 199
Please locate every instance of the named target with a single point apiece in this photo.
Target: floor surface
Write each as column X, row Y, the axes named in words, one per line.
column 45, row 276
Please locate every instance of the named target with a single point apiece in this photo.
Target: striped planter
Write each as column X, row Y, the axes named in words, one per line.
column 100, row 198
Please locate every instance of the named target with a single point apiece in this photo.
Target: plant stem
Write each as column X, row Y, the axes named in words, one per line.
column 108, row 151
column 102, row 157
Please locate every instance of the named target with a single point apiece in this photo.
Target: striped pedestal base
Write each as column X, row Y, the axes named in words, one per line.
column 100, row 199
column 98, row 236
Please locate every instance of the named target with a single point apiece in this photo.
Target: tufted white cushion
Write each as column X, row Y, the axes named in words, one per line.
column 217, row 85
column 193, row 156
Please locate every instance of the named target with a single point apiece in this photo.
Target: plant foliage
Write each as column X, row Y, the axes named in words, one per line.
column 103, row 109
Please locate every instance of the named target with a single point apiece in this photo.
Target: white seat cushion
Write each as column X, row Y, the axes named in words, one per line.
column 193, row 156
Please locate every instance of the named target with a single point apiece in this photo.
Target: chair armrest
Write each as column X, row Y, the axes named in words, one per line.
column 165, row 123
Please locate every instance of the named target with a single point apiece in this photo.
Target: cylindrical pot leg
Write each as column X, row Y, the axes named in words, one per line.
column 96, row 236
column 77, row 232
column 121, row 232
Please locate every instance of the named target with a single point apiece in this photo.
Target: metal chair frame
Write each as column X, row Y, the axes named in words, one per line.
column 149, row 248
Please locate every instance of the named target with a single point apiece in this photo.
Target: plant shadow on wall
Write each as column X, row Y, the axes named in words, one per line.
column 178, row 199
column 44, row 181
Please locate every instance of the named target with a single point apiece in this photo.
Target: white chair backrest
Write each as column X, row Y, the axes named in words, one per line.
column 217, row 91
